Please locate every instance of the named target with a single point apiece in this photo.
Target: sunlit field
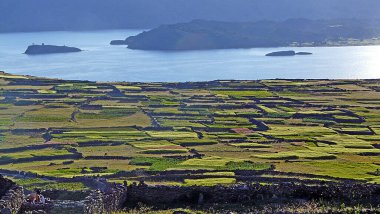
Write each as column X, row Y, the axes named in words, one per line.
column 206, row 131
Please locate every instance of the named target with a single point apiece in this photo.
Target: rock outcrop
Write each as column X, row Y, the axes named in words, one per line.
column 11, row 196
column 118, row 42
column 49, row 49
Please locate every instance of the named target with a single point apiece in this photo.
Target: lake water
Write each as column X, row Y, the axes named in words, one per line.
column 101, row 62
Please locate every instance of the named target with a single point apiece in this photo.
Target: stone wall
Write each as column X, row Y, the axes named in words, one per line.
column 55, row 194
column 12, row 196
column 166, row 196
column 109, row 198
column 99, row 202
column 5, row 184
column 55, row 207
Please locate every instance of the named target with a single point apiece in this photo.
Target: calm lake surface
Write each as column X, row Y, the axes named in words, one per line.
column 101, row 62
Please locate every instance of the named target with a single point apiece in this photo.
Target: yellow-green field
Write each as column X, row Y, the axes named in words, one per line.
column 65, row 128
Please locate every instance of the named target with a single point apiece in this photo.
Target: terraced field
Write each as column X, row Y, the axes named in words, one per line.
column 202, row 133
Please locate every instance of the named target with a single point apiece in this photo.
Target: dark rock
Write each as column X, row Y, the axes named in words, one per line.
column 6, row 211
column 38, row 212
column 201, row 198
column 49, row 49
column 67, row 162
column 282, row 53
column 180, row 212
column 304, row 53
column 11, row 196
column 98, row 169
column 118, row 42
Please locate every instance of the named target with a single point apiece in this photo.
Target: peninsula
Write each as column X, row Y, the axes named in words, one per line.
column 118, row 42
column 203, row 35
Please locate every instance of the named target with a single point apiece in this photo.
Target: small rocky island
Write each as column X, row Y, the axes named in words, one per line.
column 304, row 53
column 118, row 42
column 287, row 53
column 49, row 49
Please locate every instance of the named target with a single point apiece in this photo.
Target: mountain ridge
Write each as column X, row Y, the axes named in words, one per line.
column 204, row 34
column 47, row 15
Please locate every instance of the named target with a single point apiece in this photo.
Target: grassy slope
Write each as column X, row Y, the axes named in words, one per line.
column 328, row 127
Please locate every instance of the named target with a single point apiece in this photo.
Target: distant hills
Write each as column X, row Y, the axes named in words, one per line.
column 44, row 15
column 201, row 34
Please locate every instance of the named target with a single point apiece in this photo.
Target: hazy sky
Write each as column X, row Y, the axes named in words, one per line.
column 32, row 15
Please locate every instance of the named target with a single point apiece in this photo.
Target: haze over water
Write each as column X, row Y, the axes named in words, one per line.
column 102, row 62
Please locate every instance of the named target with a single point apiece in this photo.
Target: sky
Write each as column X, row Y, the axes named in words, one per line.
column 41, row 15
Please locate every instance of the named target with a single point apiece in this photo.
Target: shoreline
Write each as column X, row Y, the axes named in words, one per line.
column 3, row 74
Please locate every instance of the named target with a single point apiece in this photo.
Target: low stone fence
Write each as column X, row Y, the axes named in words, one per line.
column 55, row 194
column 42, row 158
column 54, row 207
column 12, row 196
column 166, row 196
column 107, row 158
column 106, row 202
column 97, row 202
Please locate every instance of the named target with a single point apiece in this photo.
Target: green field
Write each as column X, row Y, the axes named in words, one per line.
column 66, row 128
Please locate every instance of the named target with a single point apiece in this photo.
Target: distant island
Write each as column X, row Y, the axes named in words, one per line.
column 203, row 35
column 49, row 49
column 304, row 53
column 118, row 42
column 287, row 53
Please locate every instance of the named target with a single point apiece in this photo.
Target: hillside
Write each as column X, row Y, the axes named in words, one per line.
column 201, row 34
column 203, row 133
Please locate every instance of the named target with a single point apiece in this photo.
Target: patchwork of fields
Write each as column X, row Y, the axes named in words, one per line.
column 204, row 132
